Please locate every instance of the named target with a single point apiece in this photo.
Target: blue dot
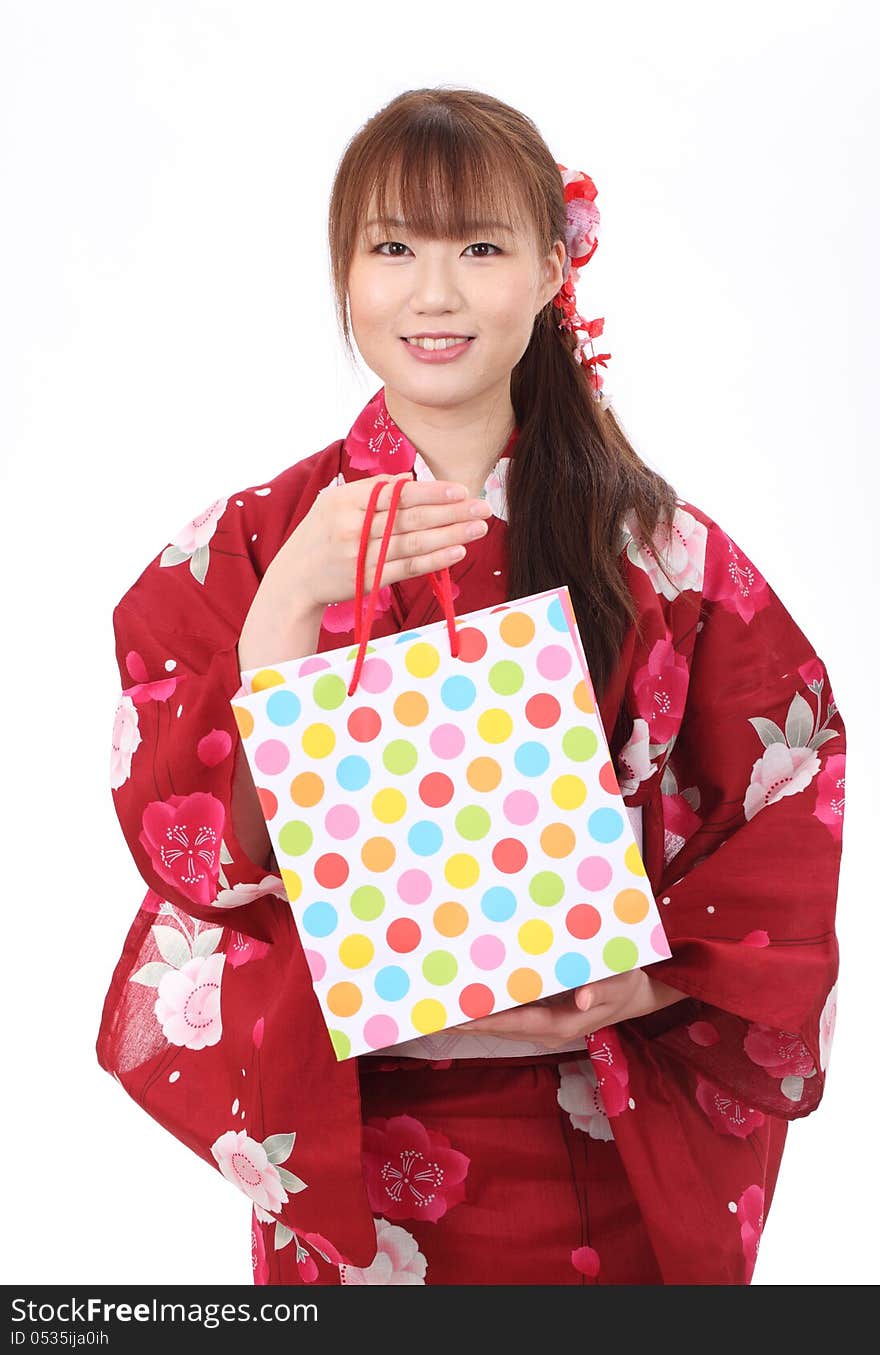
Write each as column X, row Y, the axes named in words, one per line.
column 572, row 970
column 320, row 919
column 283, row 708
column 407, row 635
column 392, row 983
column 425, row 837
column 556, row 614
column 498, row 903
column 353, row 772
column 458, row 693
column 605, row 825
column 531, row 759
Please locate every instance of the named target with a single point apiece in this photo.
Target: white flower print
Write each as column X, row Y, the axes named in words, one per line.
column 191, row 542
column 827, row 1022
column 126, row 738
column 253, row 1167
column 188, row 1002
column 780, row 771
column 634, row 763
column 397, row 1260
column 579, row 1094
column 680, row 545
column 246, row 892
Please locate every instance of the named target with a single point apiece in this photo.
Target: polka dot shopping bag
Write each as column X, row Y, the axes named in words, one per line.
column 446, row 819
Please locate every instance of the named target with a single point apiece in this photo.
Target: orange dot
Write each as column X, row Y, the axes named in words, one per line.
column 484, row 773
column 558, row 839
column 307, row 789
column 584, row 698
column 245, row 721
column 410, row 708
column 451, row 919
column 344, row 999
column 268, row 802
column 378, row 854
column 517, row 629
column 476, row 1000
column 631, row 905
column 524, row 985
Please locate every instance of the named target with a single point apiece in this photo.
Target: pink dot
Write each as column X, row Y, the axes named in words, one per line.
column 214, row 747
column 272, row 756
column 316, row 963
column 520, row 806
column 414, row 886
column 659, row 944
column 553, row 661
column 315, row 663
column 446, row 741
column 375, row 675
column 342, row 821
column 487, row 952
column 594, row 872
column 380, row 1031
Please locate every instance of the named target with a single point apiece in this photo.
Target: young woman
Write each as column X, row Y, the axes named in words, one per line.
column 629, row 1131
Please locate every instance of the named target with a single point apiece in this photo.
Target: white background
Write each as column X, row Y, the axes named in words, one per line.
column 167, row 338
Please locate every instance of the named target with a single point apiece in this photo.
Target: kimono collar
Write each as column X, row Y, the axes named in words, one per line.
column 376, row 444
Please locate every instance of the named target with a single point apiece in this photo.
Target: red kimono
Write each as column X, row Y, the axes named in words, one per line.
column 648, row 1156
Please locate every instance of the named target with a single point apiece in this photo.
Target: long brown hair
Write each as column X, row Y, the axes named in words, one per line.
column 450, row 158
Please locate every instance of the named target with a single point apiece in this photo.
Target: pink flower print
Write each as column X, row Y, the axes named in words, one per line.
column 200, row 529
column 126, row 739
column 827, row 1022
column 680, row 546
column 243, row 948
column 339, row 617
column 780, row 771
column 779, row 1051
column 182, row 837
column 375, row 443
column 725, row 1113
column 397, row 1260
column 812, row 673
column 586, row 1260
column 259, row 1260
column 750, row 1212
column 246, row 1164
column 660, row 687
column 411, row 1171
column 732, row 580
column 612, row 1069
column 831, row 794
column 633, row 765
column 188, row 1002
column 160, row 690
column 579, row 1094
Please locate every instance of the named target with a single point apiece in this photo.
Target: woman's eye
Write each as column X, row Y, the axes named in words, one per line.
column 481, row 244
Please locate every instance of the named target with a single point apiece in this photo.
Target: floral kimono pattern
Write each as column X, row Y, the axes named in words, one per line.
column 722, row 726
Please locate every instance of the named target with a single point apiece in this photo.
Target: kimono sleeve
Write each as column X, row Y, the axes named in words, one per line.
column 748, row 896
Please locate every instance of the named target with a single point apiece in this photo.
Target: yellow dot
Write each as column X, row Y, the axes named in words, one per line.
column 451, row 919
column 244, row 720
column 292, row 883
column 410, row 708
column 356, row 951
column 267, row 677
column 307, row 789
column 517, row 629
column 524, row 985
column 631, row 905
column 462, row 870
column 344, row 999
column 429, row 1015
column 389, row 805
column 568, row 792
column 535, row 937
column 378, row 854
column 318, row 740
column 484, row 773
column 422, row 659
column 633, row 861
column 495, row 725
column 558, row 840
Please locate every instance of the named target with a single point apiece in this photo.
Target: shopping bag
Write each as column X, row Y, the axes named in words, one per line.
column 447, row 821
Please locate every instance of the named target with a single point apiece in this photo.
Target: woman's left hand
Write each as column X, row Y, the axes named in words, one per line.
column 553, row 1021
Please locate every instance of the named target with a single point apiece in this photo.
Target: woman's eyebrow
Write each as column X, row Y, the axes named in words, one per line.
column 469, row 226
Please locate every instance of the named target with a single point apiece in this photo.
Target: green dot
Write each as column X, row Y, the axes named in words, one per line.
column 505, row 677
column 400, row 756
column 579, row 743
column 329, row 691
column 367, row 902
column 473, row 822
column 546, row 888
column 341, row 1044
column 620, row 953
column 295, row 838
column 439, row 966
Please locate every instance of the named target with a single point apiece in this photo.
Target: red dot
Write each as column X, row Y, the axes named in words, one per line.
column 542, row 711
column 509, row 855
column 608, row 779
column 436, row 789
column 331, row 870
column 472, row 644
column 583, row 921
column 268, row 802
column 364, row 724
column 403, row 935
column 476, row 1000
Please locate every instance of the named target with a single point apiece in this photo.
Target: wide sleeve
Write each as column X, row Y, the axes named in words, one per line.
column 748, row 835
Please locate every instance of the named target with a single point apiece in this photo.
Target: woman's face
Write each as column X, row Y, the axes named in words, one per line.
column 488, row 287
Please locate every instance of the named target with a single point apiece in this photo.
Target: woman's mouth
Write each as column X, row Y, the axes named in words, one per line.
column 437, row 350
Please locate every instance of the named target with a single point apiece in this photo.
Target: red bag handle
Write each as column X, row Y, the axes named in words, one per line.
column 440, row 582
